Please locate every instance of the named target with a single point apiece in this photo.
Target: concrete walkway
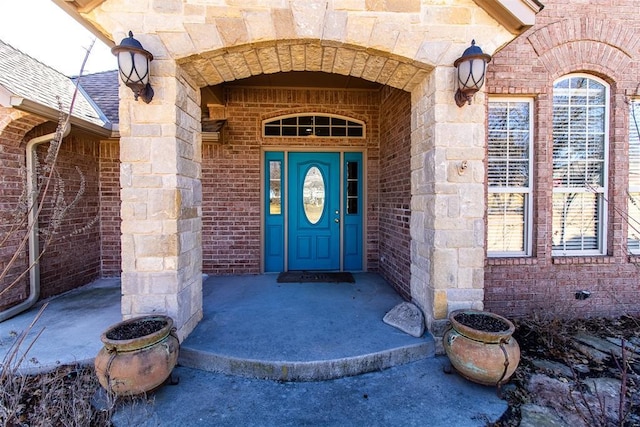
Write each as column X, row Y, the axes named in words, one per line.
column 415, row 394
column 69, row 328
column 256, row 328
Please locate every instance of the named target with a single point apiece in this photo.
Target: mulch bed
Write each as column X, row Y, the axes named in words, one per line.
column 557, row 341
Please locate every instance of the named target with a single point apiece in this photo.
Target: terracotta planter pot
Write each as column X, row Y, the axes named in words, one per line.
column 130, row 364
column 487, row 353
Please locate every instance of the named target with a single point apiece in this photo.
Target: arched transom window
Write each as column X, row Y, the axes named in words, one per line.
column 319, row 125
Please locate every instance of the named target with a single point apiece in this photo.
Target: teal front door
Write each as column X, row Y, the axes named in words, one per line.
column 314, row 211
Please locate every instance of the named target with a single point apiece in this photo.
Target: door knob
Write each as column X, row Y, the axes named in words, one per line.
column 336, row 220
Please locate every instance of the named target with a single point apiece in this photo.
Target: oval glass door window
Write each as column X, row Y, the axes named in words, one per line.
column 313, row 195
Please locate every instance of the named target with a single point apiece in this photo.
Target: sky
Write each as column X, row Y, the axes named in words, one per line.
column 45, row 32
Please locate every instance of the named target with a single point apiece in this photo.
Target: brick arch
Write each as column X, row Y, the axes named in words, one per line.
column 239, row 62
column 586, row 56
column 596, row 30
column 15, row 124
column 320, row 110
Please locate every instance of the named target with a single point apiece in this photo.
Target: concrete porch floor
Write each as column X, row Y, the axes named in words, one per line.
column 252, row 326
column 256, row 328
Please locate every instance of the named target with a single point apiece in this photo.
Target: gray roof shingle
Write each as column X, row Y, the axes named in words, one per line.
column 30, row 79
column 103, row 90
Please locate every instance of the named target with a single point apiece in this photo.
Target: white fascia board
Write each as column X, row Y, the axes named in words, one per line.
column 515, row 15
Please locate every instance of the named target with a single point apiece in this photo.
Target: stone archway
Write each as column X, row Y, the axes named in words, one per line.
column 161, row 270
column 447, row 225
column 239, row 62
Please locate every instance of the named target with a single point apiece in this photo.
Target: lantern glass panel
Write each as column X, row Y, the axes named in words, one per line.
column 464, row 69
column 477, row 70
column 141, row 64
column 125, row 63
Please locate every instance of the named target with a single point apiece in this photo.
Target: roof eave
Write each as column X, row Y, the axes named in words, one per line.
column 75, row 8
column 515, row 15
column 7, row 99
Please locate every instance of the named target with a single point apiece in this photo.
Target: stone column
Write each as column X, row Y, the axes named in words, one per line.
column 160, row 153
column 447, row 205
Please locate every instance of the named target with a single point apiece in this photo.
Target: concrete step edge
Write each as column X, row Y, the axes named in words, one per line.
column 318, row 370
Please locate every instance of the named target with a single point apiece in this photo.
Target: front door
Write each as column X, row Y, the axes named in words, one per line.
column 314, row 211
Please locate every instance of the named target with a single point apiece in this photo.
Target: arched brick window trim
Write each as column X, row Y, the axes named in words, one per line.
column 16, row 124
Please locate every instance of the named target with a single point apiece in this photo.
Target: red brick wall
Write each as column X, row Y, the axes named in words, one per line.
column 231, row 169
column 72, row 258
column 13, row 127
column 603, row 39
column 110, row 208
column 87, row 244
column 395, row 189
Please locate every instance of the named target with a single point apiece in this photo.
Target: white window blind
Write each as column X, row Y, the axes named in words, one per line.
column 633, row 234
column 580, row 140
column 509, row 177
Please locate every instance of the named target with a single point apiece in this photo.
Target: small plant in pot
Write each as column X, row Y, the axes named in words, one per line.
column 480, row 346
column 138, row 355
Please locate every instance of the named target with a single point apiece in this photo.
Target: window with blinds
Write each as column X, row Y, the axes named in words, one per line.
column 633, row 233
column 580, row 139
column 509, row 177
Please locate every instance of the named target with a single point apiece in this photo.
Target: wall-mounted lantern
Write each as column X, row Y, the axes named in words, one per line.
column 471, row 68
column 133, row 63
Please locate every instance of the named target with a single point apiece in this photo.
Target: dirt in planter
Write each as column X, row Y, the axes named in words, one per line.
column 140, row 328
column 482, row 322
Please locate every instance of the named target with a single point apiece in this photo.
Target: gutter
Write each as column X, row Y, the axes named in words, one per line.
column 34, row 242
column 52, row 114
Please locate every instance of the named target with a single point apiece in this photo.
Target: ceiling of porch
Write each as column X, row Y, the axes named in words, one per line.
column 306, row 79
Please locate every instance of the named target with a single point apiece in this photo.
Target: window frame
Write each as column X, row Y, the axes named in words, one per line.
column 603, row 191
column 349, row 124
column 527, row 191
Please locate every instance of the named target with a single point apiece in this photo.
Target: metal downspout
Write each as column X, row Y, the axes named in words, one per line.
column 34, row 242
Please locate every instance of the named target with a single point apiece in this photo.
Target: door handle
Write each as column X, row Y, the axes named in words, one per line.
column 337, row 220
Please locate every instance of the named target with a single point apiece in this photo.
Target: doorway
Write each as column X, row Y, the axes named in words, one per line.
column 313, row 211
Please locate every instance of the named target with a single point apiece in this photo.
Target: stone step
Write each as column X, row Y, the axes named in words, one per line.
column 308, row 370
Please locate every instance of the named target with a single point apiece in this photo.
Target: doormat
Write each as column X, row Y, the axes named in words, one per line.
column 315, row 277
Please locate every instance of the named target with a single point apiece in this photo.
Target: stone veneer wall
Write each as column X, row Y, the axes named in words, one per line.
column 395, row 189
column 447, row 204
column 161, row 193
column 603, row 39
